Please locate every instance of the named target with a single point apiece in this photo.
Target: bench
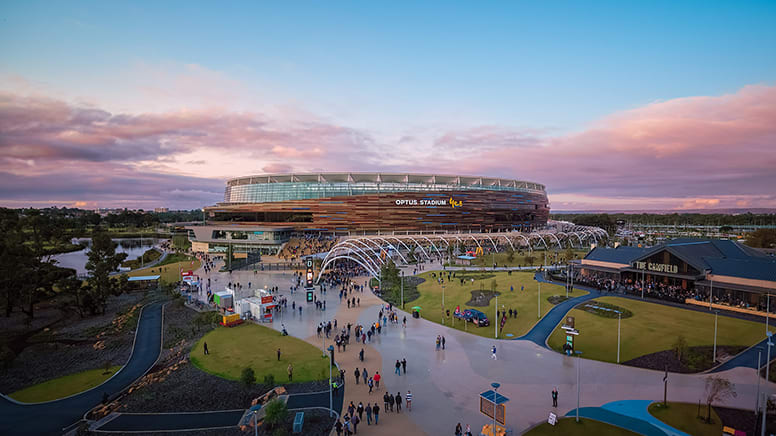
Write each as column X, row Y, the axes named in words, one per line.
column 298, row 421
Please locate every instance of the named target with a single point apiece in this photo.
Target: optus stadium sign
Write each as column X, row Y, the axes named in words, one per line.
column 429, row 203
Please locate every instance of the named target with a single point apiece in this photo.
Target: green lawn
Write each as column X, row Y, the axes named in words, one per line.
column 525, row 301
column 684, row 417
column 63, row 386
column 170, row 273
column 652, row 328
column 522, row 259
column 585, row 427
column 233, row 349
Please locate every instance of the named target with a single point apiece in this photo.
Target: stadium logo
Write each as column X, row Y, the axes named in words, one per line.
column 455, row 204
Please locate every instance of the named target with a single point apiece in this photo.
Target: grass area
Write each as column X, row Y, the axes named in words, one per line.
column 652, row 328
column 174, row 258
column 524, row 302
column 585, row 427
column 250, row 345
column 524, row 258
column 147, row 257
column 181, row 241
column 64, row 386
column 170, row 273
column 684, row 417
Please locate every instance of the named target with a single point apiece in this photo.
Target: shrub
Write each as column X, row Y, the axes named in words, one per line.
column 269, row 380
column 248, row 377
column 276, row 412
column 680, row 347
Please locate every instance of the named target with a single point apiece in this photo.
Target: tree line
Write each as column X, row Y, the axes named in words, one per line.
column 609, row 220
column 28, row 274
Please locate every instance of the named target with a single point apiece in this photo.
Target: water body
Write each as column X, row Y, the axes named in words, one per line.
column 134, row 247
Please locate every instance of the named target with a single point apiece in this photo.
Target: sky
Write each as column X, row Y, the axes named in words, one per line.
column 610, row 105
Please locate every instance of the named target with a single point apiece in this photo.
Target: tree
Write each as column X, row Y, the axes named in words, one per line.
column 718, row 389
column 680, row 347
column 510, row 255
column 275, row 413
column 103, row 260
column 248, row 377
column 530, row 259
column 762, row 238
column 74, row 287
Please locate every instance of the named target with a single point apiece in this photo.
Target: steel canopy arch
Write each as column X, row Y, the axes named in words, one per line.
column 357, row 251
column 447, row 244
column 508, row 241
column 540, row 238
column 432, row 244
column 379, row 247
column 491, row 241
column 475, row 240
column 345, row 256
column 527, row 241
column 348, row 251
column 400, row 242
column 556, row 240
column 419, row 246
column 391, row 245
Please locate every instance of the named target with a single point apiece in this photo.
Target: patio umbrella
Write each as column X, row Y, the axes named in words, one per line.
column 416, row 308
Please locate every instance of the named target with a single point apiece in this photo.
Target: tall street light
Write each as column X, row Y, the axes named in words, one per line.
column 402, row 289
column 496, row 319
column 539, row 300
column 767, row 374
column 619, row 320
column 331, row 362
column 757, row 398
column 579, row 357
column 714, row 354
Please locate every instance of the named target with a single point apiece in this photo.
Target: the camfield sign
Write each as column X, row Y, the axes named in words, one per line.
column 658, row 267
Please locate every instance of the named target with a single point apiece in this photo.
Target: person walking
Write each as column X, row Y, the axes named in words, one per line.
column 555, row 396
column 357, row 374
column 360, row 353
column 360, row 410
column 398, row 401
column 404, row 364
column 376, row 412
column 371, row 384
column 377, row 380
column 438, row 341
column 355, row 420
column 391, row 401
column 385, row 402
column 408, row 399
column 290, row 372
column 338, row 427
column 364, row 374
column 443, row 342
column 493, row 353
column 458, row 430
column 204, row 345
column 368, row 411
column 398, row 367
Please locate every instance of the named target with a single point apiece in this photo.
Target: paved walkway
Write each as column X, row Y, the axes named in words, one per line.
column 629, row 414
column 52, row 417
column 156, row 422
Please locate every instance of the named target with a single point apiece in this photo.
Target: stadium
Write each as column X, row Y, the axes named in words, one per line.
column 264, row 210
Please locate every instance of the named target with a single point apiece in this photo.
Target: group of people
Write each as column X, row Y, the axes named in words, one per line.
column 306, row 245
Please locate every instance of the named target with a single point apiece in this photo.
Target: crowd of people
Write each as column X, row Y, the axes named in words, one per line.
column 306, row 245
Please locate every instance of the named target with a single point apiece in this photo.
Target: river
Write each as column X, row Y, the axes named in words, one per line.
column 134, row 247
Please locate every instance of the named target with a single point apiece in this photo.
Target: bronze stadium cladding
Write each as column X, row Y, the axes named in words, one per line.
column 478, row 210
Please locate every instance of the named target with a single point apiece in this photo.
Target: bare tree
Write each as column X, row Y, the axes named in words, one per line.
column 718, row 389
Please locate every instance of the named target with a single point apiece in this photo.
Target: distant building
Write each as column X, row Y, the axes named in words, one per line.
column 161, row 209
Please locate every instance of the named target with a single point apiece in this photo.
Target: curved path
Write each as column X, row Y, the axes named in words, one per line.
column 53, row 416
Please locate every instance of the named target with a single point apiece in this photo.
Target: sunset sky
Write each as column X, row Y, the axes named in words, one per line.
column 611, row 105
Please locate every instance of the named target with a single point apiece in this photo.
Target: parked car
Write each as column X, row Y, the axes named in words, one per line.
column 475, row 316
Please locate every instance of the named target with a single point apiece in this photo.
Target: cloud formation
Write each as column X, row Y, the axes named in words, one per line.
column 698, row 152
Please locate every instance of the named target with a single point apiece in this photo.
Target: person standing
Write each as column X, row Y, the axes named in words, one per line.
column 368, row 411
column 555, row 396
column 205, row 347
column 398, row 367
column 468, row 430
column 408, row 399
column 376, row 412
column 493, row 353
column 443, row 342
column 391, row 401
column 357, row 374
column 398, row 401
column 338, row 427
column 385, row 402
column 278, row 354
column 364, row 374
column 355, row 420
column 290, row 372
column 458, row 430
column 404, row 365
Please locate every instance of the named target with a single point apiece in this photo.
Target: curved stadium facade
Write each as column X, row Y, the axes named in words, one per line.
column 371, row 202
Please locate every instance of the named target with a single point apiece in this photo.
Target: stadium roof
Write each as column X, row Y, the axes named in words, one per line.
column 358, row 177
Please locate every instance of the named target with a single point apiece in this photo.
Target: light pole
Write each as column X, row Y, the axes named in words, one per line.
column 495, row 397
column 539, row 300
column 714, row 355
column 707, row 273
column 642, row 283
column 443, row 304
column 256, row 427
column 767, row 311
column 331, row 362
column 619, row 320
column 402, row 289
column 757, row 398
column 767, row 374
column 579, row 356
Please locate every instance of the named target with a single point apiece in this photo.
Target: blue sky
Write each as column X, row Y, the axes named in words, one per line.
column 393, row 69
